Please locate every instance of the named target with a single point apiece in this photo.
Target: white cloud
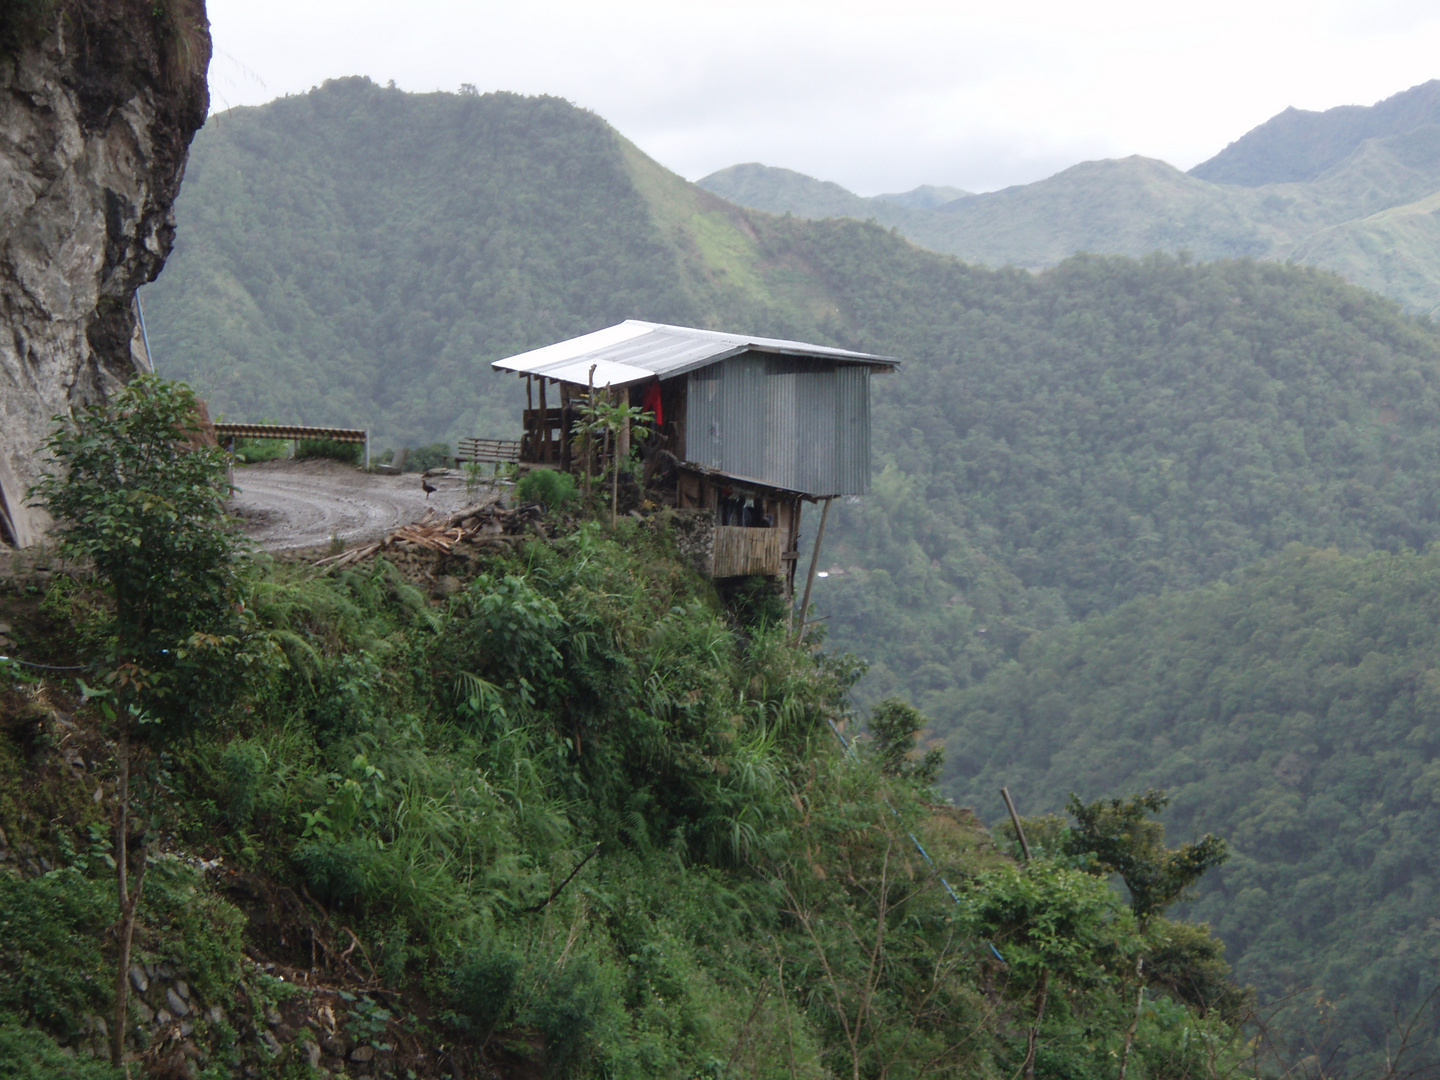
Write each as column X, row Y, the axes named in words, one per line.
column 878, row 98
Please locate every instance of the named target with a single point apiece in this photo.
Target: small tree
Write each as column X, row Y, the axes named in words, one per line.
column 1118, row 836
column 601, row 416
column 894, row 724
column 140, row 499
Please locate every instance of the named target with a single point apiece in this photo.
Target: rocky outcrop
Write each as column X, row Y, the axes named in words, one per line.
column 97, row 110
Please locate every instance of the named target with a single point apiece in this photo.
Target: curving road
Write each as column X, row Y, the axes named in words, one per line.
column 292, row 505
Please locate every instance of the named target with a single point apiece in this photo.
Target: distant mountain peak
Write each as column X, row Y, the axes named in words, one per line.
column 1298, row 145
column 926, row 197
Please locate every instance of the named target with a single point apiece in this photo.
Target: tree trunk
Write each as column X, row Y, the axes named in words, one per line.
column 1030, row 1043
column 1134, row 1020
column 129, row 900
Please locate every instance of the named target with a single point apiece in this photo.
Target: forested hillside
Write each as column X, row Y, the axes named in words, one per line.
column 1349, row 190
column 1291, row 710
column 1056, row 445
column 352, row 256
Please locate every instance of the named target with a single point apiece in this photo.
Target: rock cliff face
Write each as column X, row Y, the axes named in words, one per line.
column 98, row 104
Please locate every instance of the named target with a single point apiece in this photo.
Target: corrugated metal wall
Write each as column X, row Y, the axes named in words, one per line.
column 795, row 423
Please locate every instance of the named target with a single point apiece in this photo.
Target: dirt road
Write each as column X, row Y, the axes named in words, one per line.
column 291, row 505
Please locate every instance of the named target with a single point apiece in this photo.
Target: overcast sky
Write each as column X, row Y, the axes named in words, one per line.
column 876, row 96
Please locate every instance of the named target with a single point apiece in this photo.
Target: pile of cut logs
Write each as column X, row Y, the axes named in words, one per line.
column 479, row 526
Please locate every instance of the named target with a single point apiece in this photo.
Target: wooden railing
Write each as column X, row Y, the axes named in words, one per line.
column 496, row 450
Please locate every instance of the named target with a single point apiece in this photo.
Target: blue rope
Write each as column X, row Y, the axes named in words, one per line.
column 850, row 750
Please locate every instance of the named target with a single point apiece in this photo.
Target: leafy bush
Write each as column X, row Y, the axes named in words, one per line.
column 514, row 628
column 894, row 724
column 435, row 456
column 757, row 602
column 578, row 1005
column 551, row 487
column 331, row 449
column 148, row 511
column 194, row 928
column 48, row 929
column 483, row 987
column 338, row 871
column 28, row 1054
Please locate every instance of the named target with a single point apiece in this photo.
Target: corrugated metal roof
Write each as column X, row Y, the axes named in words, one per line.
column 636, row 351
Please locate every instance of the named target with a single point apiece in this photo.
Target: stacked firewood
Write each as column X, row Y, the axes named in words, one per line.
column 479, row 526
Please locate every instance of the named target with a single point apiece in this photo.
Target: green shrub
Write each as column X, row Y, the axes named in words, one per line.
column 51, row 967
column 339, row 872
column 348, row 452
column 548, row 486
column 483, row 988
column 434, row 456
column 576, row 1009
column 193, row 927
column 756, row 602
column 28, row 1054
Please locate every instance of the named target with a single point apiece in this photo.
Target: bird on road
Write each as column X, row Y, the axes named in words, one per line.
column 427, row 487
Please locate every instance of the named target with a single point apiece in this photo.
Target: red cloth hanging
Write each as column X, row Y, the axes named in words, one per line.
column 651, row 402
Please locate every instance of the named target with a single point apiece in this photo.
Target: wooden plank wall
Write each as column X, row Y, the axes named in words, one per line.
column 743, row 551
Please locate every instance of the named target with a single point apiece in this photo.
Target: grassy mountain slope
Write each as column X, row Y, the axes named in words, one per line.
column 1300, row 145
column 1056, row 445
column 1291, row 710
column 1365, row 162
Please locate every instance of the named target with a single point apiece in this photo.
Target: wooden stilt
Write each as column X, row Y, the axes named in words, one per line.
column 799, row 631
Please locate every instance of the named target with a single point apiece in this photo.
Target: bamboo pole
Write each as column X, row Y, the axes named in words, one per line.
column 1015, row 820
column 810, row 577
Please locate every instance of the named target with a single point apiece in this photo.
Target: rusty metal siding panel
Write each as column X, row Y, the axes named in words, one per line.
column 796, row 423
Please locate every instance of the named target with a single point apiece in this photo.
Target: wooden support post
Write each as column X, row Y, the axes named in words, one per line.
column 622, row 448
column 566, row 419
column 810, row 577
column 589, row 435
column 544, row 425
column 1015, row 820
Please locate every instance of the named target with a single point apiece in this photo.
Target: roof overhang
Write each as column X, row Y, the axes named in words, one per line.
column 636, row 352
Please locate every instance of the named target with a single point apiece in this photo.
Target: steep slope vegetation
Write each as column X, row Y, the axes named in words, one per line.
column 571, row 821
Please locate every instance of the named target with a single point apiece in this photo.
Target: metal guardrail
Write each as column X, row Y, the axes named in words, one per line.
column 297, row 432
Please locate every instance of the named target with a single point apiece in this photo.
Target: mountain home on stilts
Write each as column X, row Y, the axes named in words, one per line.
column 744, row 428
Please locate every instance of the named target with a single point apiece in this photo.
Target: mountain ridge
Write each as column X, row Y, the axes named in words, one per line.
column 1374, row 159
